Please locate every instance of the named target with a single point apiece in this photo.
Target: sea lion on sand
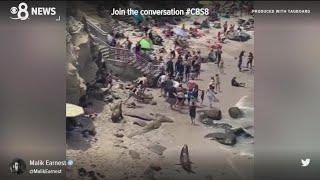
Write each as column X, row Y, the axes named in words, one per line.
column 228, row 138
column 185, row 160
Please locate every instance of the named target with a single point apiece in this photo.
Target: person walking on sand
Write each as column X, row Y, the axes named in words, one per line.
column 225, row 27
column 202, row 96
column 221, row 70
column 193, row 112
column 250, row 60
column 240, row 60
column 211, row 95
column 172, row 97
column 218, row 83
column 218, row 56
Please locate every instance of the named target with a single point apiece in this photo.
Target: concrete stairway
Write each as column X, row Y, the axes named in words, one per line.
column 119, row 56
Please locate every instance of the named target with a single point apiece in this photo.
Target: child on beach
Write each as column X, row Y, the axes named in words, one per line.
column 192, row 112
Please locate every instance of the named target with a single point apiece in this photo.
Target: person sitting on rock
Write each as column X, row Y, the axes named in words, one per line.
column 235, row 83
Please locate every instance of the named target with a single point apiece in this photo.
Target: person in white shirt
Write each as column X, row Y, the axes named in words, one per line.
column 211, row 94
column 162, row 83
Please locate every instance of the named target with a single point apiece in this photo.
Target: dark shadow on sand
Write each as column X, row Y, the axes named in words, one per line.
column 76, row 141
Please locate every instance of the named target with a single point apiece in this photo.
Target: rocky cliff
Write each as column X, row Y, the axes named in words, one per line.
column 80, row 66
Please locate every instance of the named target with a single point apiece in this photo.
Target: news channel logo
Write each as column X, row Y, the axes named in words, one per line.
column 22, row 12
column 17, row 166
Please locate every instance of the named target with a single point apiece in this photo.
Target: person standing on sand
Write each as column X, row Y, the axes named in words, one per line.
column 193, row 112
column 250, row 60
column 225, row 27
column 162, row 82
column 218, row 56
column 172, row 97
column 188, row 70
column 170, row 68
column 202, row 96
column 211, row 95
column 219, row 36
column 221, row 70
column 218, row 83
column 195, row 92
column 191, row 84
column 240, row 60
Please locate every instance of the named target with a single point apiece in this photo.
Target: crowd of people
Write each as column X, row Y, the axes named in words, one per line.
column 179, row 68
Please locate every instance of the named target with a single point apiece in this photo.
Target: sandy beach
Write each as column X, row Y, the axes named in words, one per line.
column 129, row 158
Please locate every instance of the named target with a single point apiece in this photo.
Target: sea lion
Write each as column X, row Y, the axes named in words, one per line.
column 228, row 138
column 185, row 160
column 116, row 112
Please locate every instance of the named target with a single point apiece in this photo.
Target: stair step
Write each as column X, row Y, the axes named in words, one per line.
column 104, row 50
column 106, row 54
column 136, row 65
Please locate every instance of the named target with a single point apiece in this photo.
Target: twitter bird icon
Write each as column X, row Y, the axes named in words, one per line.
column 305, row 162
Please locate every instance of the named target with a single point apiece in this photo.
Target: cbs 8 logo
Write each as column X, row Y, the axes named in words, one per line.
column 21, row 11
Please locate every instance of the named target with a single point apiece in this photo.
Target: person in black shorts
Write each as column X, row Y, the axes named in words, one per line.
column 192, row 112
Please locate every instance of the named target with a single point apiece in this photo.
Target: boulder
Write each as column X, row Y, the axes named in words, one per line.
column 235, row 112
column 153, row 103
column 119, row 135
column 154, row 125
column 214, row 114
column 155, row 167
column 239, row 36
column 162, row 118
column 131, row 105
column 82, row 172
column 140, row 123
column 158, row 149
column 134, row 154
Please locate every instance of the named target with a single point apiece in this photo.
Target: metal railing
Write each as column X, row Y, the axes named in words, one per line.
column 115, row 54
